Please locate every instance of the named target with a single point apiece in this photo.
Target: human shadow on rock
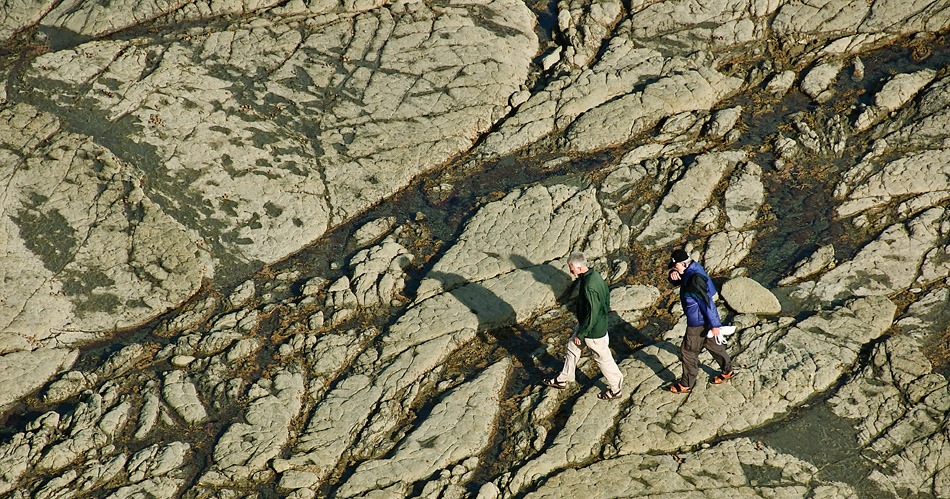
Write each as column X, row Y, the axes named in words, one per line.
column 496, row 317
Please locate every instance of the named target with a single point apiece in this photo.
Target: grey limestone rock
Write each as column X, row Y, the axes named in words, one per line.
column 21, row 15
column 379, row 273
column 817, row 82
column 744, row 196
column 619, row 120
column 218, row 341
column 24, row 371
column 687, row 197
column 899, row 407
column 242, row 294
column 888, row 264
column 725, row 250
column 456, row 429
column 148, row 414
column 723, row 121
column 822, row 259
column 150, row 152
column 66, row 220
column 180, row 394
column 99, row 474
column 893, row 95
column 720, row 471
column 69, row 384
column 792, row 360
column 86, row 18
column 158, row 460
column 22, row 450
column 624, row 65
column 585, row 25
column 190, row 316
column 373, row 230
column 495, row 302
column 222, row 179
column 338, row 418
column 924, row 174
column 246, row 448
column 796, row 22
column 524, row 229
column 746, row 296
column 630, row 301
column 781, row 83
column 293, row 480
column 162, row 487
column 94, row 424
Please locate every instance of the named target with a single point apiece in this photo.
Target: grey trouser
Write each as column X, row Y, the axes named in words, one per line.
column 694, row 341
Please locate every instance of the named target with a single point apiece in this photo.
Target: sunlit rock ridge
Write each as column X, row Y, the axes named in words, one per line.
column 317, row 249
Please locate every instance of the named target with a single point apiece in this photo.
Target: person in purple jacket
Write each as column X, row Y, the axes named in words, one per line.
column 696, row 296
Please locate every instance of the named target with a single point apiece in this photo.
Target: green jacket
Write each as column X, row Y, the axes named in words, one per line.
column 593, row 305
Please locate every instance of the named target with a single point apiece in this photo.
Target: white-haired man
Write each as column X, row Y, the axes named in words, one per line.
column 591, row 309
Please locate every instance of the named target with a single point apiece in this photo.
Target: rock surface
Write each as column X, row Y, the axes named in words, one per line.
column 318, row 249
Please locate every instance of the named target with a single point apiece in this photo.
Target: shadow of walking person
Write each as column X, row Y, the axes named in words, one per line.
column 498, row 319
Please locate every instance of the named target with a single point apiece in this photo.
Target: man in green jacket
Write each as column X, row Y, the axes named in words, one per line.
column 592, row 307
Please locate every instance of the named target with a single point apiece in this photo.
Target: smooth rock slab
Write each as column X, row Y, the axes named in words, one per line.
column 182, row 396
column 896, row 92
column 790, row 365
column 525, row 228
column 458, row 427
column 76, row 262
column 25, row 371
column 617, row 121
column 888, row 264
column 817, row 81
column 726, row 250
column 744, row 197
column 822, row 259
column 343, row 109
column 734, row 468
column 918, row 174
column 687, row 197
column 246, row 448
column 623, row 66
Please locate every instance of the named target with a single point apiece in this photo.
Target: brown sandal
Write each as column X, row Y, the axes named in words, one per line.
column 679, row 388
column 554, row 383
column 610, row 395
column 722, row 377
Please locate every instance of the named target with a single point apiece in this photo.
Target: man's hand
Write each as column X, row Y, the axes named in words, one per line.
column 577, row 341
column 714, row 331
column 674, row 275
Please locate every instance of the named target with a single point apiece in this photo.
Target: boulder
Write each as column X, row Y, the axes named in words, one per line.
column 746, row 296
column 817, row 82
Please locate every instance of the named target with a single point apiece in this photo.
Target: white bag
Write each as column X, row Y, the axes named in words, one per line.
column 723, row 332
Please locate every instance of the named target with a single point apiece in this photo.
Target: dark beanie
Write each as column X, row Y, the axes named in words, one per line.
column 678, row 256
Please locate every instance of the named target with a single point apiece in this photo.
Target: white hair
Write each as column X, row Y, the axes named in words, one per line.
column 577, row 259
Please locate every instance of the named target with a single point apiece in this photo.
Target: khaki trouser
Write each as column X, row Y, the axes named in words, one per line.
column 601, row 353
